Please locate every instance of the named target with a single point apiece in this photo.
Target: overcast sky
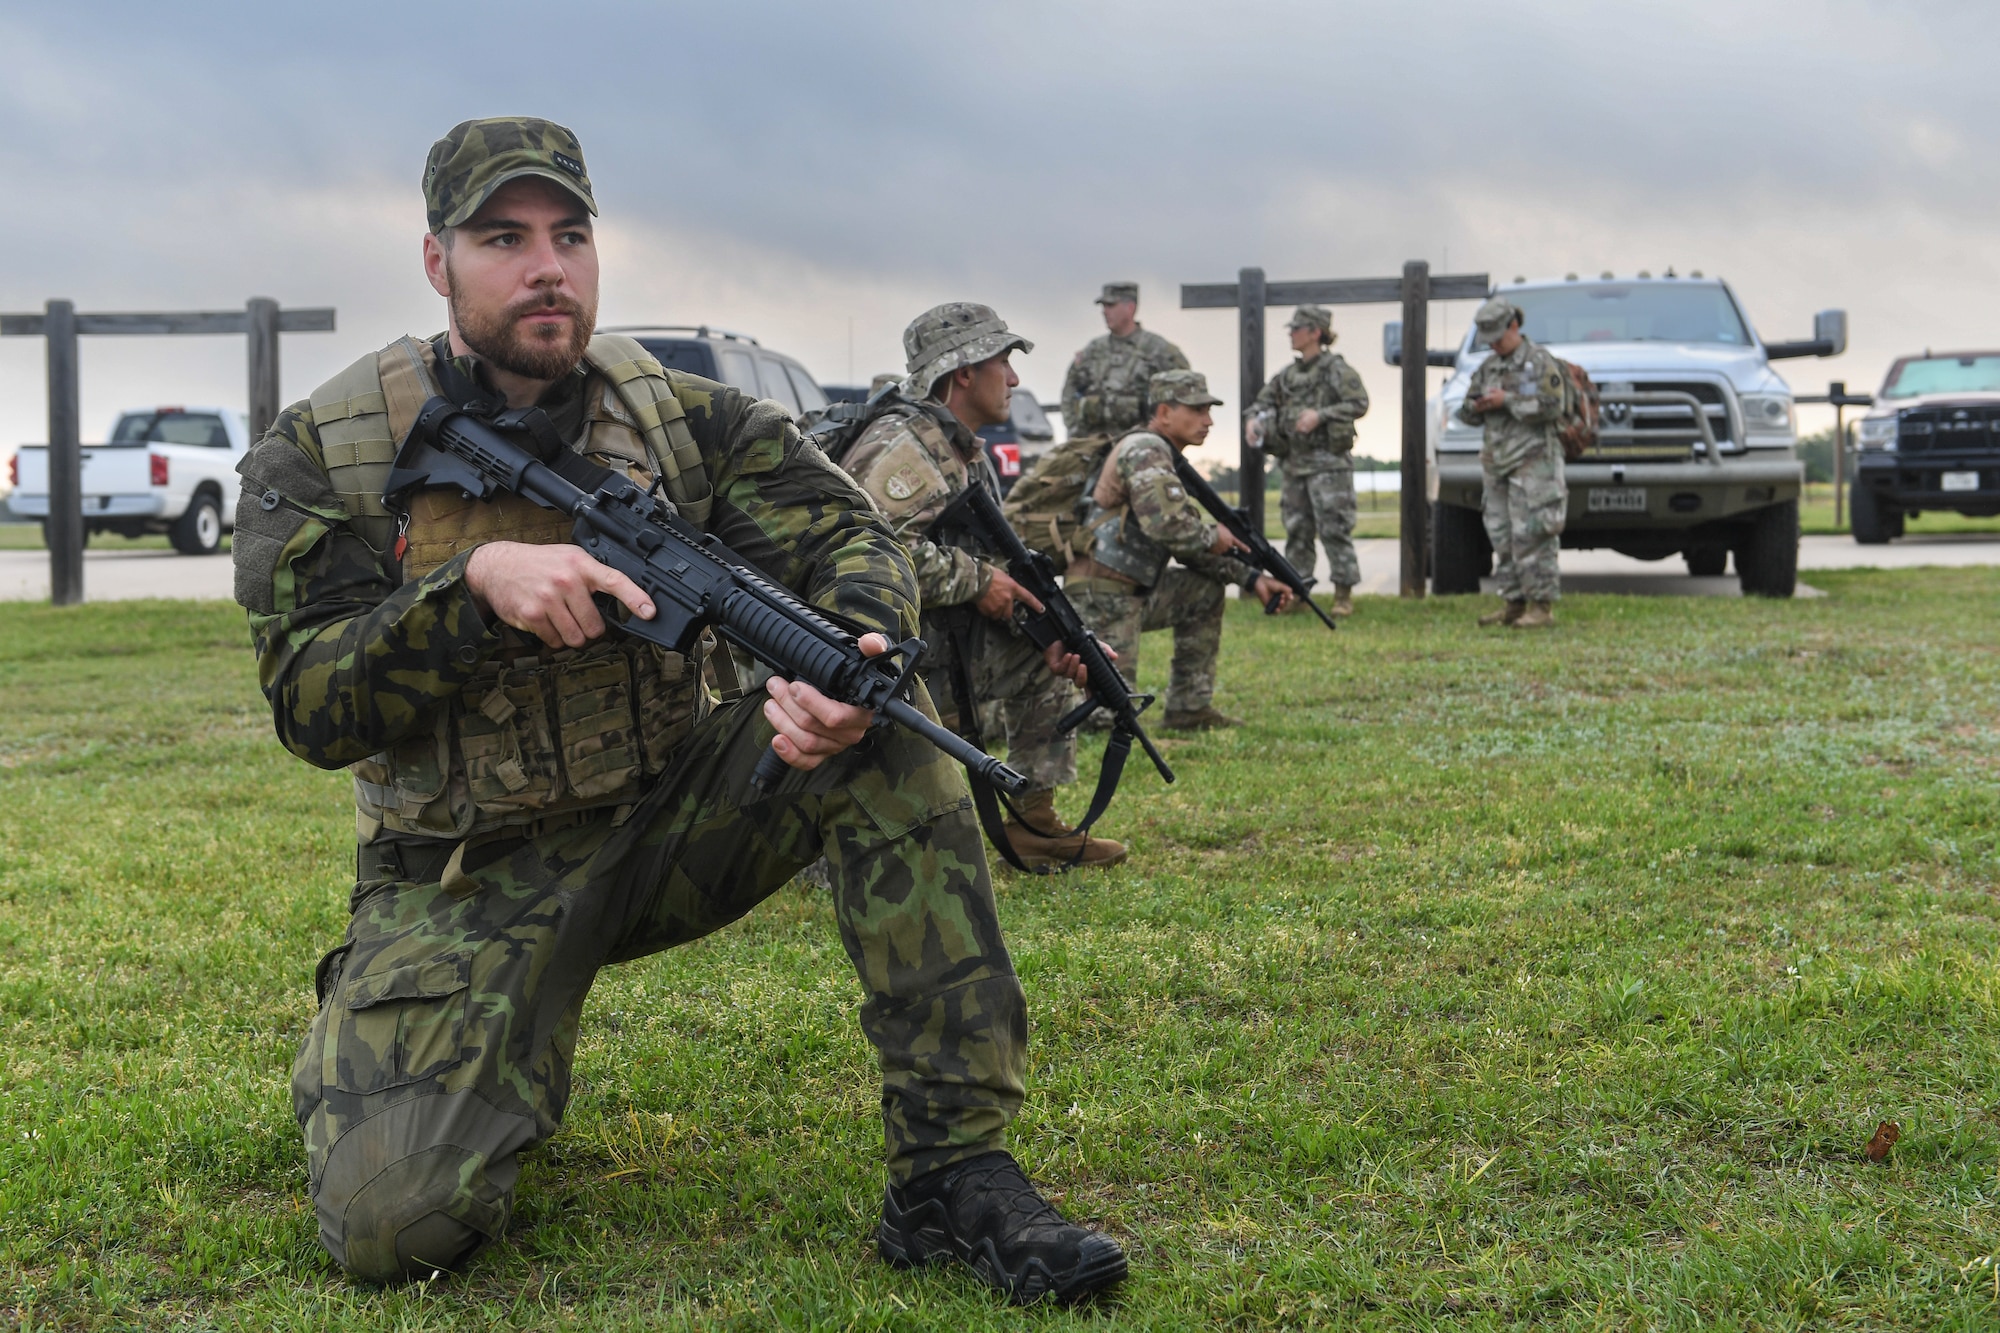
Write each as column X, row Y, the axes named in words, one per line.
column 818, row 173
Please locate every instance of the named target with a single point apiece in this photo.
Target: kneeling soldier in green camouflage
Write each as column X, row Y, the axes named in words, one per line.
column 1141, row 517
column 914, row 459
column 537, row 799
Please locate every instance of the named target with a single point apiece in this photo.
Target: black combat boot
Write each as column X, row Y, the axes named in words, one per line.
column 987, row 1213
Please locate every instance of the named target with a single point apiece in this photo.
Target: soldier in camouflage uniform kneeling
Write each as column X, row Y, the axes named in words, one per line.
column 1305, row 419
column 1516, row 395
column 914, row 459
column 1140, row 517
column 1104, row 392
column 537, row 799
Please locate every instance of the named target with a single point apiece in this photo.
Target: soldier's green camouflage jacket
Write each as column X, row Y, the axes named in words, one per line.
column 1104, row 392
column 913, row 461
column 1326, row 384
column 1524, row 427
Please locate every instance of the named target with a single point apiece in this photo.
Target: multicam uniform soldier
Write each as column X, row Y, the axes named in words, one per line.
column 1516, row 394
column 1105, row 390
column 913, row 460
column 537, row 800
column 1311, row 407
column 1140, row 517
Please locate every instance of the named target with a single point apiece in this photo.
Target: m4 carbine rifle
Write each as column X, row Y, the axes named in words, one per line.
column 693, row 580
column 1262, row 554
column 977, row 514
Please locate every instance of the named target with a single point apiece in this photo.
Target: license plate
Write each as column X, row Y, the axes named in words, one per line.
column 1958, row 481
column 1615, row 500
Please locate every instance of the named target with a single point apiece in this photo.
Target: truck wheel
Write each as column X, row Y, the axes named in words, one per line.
column 1460, row 553
column 1707, row 561
column 1767, row 554
column 1871, row 525
column 199, row 530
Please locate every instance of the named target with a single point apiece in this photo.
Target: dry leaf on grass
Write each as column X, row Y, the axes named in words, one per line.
column 1885, row 1138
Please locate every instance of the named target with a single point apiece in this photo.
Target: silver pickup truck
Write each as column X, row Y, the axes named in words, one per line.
column 1698, row 454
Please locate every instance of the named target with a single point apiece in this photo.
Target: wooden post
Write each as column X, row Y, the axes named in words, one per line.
column 1837, row 391
column 1416, row 506
column 1250, row 366
column 65, row 522
column 261, row 323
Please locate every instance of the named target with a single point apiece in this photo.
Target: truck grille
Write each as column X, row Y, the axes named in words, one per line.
column 1974, row 429
column 1660, row 431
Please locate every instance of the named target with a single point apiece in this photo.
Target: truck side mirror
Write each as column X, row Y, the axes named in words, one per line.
column 1830, row 327
column 1392, row 342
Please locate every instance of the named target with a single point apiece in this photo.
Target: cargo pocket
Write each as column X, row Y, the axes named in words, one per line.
column 503, row 737
column 595, row 718
column 402, row 1023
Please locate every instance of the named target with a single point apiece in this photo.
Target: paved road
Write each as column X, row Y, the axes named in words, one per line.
column 111, row 575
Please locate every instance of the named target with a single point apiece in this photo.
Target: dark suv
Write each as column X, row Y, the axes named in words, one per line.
column 1932, row 441
column 735, row 359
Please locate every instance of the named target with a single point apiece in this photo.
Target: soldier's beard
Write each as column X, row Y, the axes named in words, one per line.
column 532, row 351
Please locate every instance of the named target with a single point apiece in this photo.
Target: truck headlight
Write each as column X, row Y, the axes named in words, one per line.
column 1877, row 432
column 1767, row 414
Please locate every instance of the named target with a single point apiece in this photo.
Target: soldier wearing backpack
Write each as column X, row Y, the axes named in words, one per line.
column 916, row 449
column 1518, row 395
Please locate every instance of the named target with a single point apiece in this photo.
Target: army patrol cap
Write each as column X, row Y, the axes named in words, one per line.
column 1493, row 318
column 479, row 156
column 1189, row 388
column 1312, row 317
column 1114, row 292
column 954, row 335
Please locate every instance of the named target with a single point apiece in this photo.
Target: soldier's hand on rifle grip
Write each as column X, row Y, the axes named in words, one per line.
column 811, row 727
column 997, row 602
column 1225, row 542
column 1270, row 591
column 1062, row 662
column 547, row 591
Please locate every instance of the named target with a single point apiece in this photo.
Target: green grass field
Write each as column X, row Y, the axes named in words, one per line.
column 1481, row 981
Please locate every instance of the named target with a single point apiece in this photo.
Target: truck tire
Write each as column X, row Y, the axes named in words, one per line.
column 1460, row 553
column 199, row 530
column 1870, row 519
column 1767, row 554
column 1707, row 560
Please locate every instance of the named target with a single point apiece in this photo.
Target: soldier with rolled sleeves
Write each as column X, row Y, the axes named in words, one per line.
column 1516, row 395
column 914, row 459
column 1140, row 518
column 1105, row 390
column 537, row 799
column 1305, row 419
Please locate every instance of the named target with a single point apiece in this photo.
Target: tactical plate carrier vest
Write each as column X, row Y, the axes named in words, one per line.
column 1114, row 537
column 539, row 732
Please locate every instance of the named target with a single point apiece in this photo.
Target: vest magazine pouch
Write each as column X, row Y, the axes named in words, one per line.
column 601, row 750
column 407, row 786
column 668, row 700
column 506, row 744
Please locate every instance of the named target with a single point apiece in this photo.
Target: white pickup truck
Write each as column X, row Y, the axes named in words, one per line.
column 164, row 469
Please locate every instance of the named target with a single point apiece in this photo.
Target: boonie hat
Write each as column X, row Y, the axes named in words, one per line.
column 1494, row 317
column 1312, row 317
column 953, row 335
column 479, row 156
column 1189, row 388
column 1114, row 292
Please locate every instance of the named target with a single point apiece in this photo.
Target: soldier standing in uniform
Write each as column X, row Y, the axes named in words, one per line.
column 913, row 460
column 1516, row 395
column 538, row 799
column 1140, row 517
column 1311, row 406
column 1105, row 390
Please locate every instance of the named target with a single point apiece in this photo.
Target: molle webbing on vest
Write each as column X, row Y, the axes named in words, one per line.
column 643, row 388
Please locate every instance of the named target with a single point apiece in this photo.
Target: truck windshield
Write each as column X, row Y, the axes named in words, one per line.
column 1589, row 312
column 196, row 428
column 1944, row 374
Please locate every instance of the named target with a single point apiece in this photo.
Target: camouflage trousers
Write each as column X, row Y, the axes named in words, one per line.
column 1317, row 499
column 1524, row 513
column 1190, row 603
column 1018, row 700
column 448, row 1018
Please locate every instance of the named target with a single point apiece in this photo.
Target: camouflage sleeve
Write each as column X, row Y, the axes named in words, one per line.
column 1352, row 402
column 903, row 478
column 350, row 661
column 1159, row 503
column 1176, row 359
column 1223, row 568
column 783, row 505
column 1267, row 397
column 1478, row 384
column 1076, row 402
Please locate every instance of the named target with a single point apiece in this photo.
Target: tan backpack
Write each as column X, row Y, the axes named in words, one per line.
column 1047, row 505
column 1576, row 421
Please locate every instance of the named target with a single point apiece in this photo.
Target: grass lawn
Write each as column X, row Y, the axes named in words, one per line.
column 1481, row 981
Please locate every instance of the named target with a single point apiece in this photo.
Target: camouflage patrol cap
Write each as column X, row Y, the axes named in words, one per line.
column 479, row 156
column 1493, row 318
column 953, row 335
column 1114, row 292
column 1312, row 317
column 1189, row 388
